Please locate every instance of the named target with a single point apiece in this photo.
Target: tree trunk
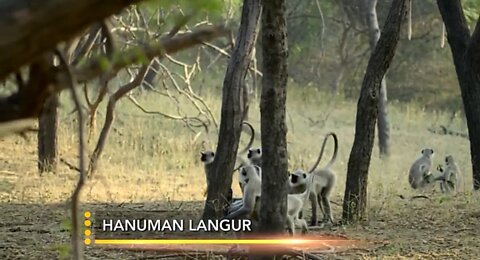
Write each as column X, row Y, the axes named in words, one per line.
column 46, row 23
column 466, row 57
column 382, row 124
column 355, row 200
column 47, row 136
column 273, row 113
column 220, row 176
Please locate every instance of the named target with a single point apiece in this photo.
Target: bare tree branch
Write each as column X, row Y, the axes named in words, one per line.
column 110, row 116
column 28, row 101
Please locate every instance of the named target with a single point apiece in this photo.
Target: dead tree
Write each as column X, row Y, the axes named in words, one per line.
column 466, row 57
column 273, row 114
column 383, row 125
column 47, row 136
column 355, row 200
column 220, row 177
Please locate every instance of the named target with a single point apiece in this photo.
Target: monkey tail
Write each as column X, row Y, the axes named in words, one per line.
column 335, row 152
column 252, row 138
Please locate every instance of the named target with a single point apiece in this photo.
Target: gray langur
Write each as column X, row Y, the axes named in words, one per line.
column 325, row 179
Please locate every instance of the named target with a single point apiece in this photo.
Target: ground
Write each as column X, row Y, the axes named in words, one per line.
column 152, row 163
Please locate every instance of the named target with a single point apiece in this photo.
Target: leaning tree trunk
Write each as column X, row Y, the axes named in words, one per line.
column 382, row 123
column 355, row 200
column 220, row 177
column 466, row 57
column 47, row 136
column 272, row 110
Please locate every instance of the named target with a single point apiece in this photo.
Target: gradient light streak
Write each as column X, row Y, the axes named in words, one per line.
column 207, row 241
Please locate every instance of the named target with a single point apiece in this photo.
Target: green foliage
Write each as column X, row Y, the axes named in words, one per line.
column 188, row 6
column 471, row 9
column 63, row 250
column 104, row 63
column 66, row 224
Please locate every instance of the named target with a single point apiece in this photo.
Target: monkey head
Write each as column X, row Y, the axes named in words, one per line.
column 207, row 157
column 249, row 171
column 449, row 160
column 298, row 178
column 428, row 152
column 440, row 168
column 254, row 153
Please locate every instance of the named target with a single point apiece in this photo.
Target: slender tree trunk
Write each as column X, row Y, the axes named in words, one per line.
column 220, row 177
column 273, row 113
column 383, row 123
column 466, row 57
column 355, row 200
column 47, row 136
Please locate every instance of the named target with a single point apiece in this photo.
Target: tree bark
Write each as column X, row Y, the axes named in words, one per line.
column 47, row 136
column 45, row 23
column 383, row 124
column 273, row 113
column 220, row 176
column 466, row 57
column 355, row 200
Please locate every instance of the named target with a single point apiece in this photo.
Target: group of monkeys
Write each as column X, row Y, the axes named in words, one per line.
column 420, row 176
column 315, row 185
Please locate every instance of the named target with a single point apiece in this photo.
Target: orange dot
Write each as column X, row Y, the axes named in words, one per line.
column 87, row 241
column 88, row 232
column 87, row 223
column 87, row 214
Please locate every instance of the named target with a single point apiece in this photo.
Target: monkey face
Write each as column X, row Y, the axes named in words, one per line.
column 440, row 168
column 449, row 159
column 254, row 153
column 298, row 178
column 428, row 152
column 207, row 157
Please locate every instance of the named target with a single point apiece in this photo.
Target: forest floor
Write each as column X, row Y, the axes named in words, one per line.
column 150, row 164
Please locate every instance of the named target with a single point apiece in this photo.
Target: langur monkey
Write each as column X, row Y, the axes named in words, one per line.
column 207, row 157
column 255, row 156
column 251, row 190
column 419, row 173
column 295, row 204
column 450, row 176
column 325, row 179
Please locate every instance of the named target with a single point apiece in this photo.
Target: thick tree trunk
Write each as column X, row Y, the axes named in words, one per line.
column 355, row 200
column 273, row 113
column 466, row 57
column 47, row 136
column 220, row 177
column 382, row 123
column 45, row 23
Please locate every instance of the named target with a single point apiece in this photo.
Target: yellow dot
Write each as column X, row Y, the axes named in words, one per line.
column 87, row 241
column 87, row 214
column 87, row 223
column 88, row 232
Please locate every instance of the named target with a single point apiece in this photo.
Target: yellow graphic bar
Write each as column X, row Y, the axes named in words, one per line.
column 202, row 241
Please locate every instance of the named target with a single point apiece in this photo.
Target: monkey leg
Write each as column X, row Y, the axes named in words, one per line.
column 291, row 226
column 314, row 202
column 328, row 209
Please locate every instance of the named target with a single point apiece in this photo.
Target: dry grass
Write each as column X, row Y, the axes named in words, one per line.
column 152, row 160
